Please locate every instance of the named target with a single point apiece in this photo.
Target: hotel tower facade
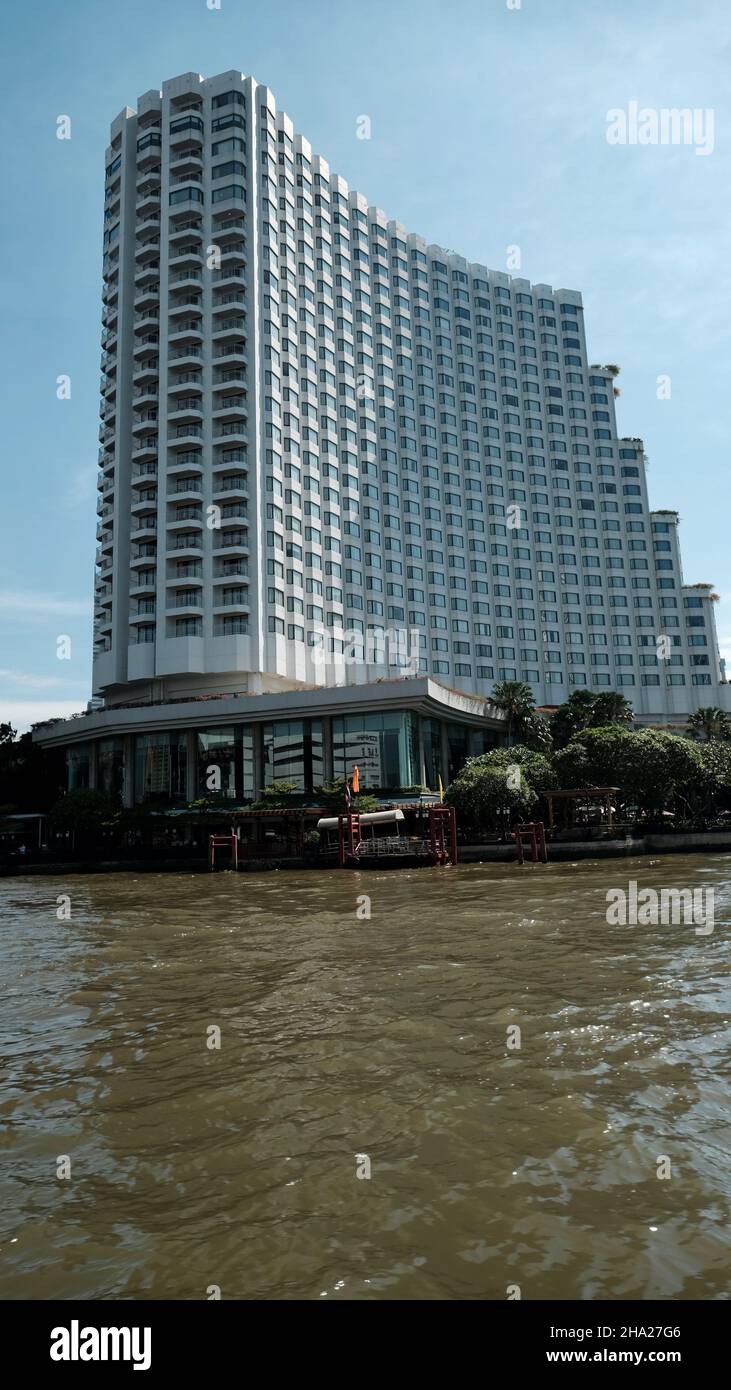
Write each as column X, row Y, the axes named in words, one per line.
column 334, row 456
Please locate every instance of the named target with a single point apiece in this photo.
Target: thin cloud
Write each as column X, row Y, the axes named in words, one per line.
column 22, row 713
column 10, row 677
column 14, row 604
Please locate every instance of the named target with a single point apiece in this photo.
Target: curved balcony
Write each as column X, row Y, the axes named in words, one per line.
column 230, row 408
column 145, row 530
column 188, row 131
column 237, row 484
column 181, row 435
column 143, row 473
column 234, row 432
column 183, row 160
column 228, row 354
column 184, row 302
column 185, row 487
column 145, row 586
column 235, row 541
column 188, row 460
column 185, row 544
column 148, row 368
column 184, row 410
column 182, row 515
column 192, row 228
column 230, row 379
column 148, row 203
column 143, row 421
column 145, row 557
column 178, row 603
column 146, row 393
column 189, row 275
column 145, row 448
column 146, row 343
column 147, row 294
column 144, row 504
column 147, row 253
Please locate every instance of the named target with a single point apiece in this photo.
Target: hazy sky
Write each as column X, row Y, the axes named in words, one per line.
column 488, row 130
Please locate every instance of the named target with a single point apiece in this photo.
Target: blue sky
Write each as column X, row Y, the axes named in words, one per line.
column 488, row 131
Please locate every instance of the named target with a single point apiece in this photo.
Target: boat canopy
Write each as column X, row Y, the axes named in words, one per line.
column 368, row 818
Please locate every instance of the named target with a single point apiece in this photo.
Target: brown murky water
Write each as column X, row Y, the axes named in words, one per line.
column 193, row 1167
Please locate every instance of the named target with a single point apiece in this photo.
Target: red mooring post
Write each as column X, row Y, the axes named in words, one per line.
column 223, row 841
column 537, row 832
column 348, row 824
column 443, row 823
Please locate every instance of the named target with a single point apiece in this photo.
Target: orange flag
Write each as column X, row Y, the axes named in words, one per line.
column 356, row 779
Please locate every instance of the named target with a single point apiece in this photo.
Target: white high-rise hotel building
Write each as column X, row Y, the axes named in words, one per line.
column 314, row 423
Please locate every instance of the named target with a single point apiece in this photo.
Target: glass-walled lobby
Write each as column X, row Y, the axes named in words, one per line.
column 394, row 750
column 225, row 763
column 161, row 767
column 384, row 747
column 293, row 752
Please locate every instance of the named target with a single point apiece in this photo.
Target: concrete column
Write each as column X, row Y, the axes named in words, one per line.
column 258, row 731
column 327, row 748
column 128, row 785
column 420, row 758
column 191, row 764
column 93, row 765
column 445, row 755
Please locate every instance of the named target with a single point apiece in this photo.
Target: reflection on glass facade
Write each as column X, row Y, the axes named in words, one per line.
column 235, row 762
column 433, row 769
column 160, row 766
column 226, row 763
column 383, row 745
column 77, row 767
column 293, row 753
column 458, row 744
column 483, row 741
column 110, row 766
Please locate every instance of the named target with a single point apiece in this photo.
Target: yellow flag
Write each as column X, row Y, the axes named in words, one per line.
column 441, row 790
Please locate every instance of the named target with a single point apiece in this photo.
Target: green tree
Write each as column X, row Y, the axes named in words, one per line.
column 611, row 708
column 332, row 796
column 715, row 757
column 84, row 811
column 31, row 776
column 537, row 768
column 587, row 709
column 649, row 766
column 277, row 794
column 517, row 702
column 572, row 765
column 605, row 751
column 486, row 797
column 535, row 732
column 709, row 722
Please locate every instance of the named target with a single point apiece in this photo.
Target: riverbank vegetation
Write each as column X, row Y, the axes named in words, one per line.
column 659, row 780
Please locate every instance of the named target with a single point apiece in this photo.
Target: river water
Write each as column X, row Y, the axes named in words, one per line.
column 195, row 1167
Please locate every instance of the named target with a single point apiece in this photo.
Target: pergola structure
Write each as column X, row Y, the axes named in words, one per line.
column 570, row 796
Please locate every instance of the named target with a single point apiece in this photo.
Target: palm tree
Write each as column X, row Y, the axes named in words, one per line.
column 516, row 700
column 709, row 722
column 611, row 708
